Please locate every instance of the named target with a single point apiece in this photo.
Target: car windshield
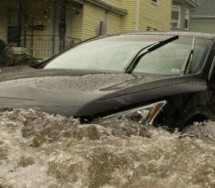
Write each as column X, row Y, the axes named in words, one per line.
column 116, row 53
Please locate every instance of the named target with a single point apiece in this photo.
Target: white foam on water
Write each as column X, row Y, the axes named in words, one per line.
column 38, row 149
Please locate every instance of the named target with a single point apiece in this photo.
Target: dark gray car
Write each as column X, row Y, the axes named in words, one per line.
column 155, row 78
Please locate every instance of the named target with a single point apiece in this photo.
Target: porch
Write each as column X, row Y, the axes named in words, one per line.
column 43, row 46
column 43, row 27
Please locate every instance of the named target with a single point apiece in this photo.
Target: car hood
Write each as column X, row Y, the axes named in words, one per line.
column 78, row 93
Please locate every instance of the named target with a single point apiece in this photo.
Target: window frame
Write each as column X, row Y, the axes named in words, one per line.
column 178, row 9
column 187, row 17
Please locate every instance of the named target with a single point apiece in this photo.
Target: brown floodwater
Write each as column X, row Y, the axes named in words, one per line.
column 42, row 150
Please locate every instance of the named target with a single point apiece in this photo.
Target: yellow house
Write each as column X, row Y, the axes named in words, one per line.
column 127, row 15
column 46, row 27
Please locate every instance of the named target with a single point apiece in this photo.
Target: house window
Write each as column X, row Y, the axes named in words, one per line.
column 187, row 19
column 176, row 14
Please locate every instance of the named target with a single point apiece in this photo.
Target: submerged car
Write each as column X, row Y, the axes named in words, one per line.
column 152, row 78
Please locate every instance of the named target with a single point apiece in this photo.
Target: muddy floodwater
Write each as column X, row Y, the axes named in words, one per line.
column 42, row 150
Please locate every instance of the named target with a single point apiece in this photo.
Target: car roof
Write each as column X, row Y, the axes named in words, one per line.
column 185, row 34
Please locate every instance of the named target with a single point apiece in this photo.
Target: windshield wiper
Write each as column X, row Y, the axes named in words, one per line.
column 150, row 48
column 187, row 64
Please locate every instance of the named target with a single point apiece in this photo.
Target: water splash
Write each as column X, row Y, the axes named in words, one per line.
column 42, row 150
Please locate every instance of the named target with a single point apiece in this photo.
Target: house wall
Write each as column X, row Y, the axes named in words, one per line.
column 93, row 14
column 114, row 24
column 117, row 3
column 130, row 21
column 144, row 13
column 205, row 26
column 114, row 21
column 156, row 16
column 77, row 24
